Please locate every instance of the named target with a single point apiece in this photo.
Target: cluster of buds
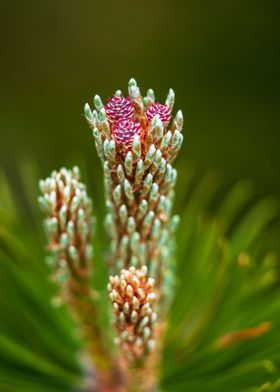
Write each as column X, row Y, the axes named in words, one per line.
column 137, row 143
column 137, row 147
column 132, row 295
column 68, row 224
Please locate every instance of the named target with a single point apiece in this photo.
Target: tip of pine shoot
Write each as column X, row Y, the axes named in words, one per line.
column 132, row 82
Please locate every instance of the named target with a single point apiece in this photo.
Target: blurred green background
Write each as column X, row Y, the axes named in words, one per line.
column 221, row 57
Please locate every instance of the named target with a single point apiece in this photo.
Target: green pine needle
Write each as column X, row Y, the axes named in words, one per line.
column 227, row 282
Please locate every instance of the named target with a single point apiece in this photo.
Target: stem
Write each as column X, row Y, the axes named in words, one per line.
column 142, row 379
column 86, row 313
column 105, row 374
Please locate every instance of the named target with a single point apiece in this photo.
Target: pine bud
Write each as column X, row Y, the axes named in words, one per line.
column 133, row 297
column 68, row 219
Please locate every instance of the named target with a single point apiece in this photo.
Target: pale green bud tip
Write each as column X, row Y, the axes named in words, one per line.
column 98, row 102
column 132, row 82
column 102, row 114
column 179, row 116
column 88, row 112
column 151, row 94
column 170, row 99
column 156, row 120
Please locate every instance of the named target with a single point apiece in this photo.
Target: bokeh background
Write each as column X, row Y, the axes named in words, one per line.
column 221, row 57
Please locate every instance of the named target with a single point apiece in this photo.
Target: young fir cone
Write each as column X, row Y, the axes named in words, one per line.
column 68, row 227
column 137, row 147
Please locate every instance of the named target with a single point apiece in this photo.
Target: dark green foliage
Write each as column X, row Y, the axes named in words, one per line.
column 228, row 280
